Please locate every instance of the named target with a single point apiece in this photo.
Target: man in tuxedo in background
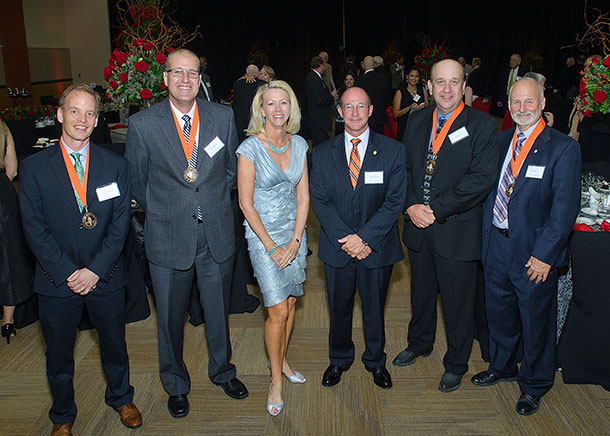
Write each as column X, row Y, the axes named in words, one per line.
column 376, row 86
column 244, row 89
column 75, row 205
column 357, row 188
column 205, row 83
column 476, row 80
column 508, row 78
column 319, row 102
column 182, row 157
column 451, row 155
column 527, row 221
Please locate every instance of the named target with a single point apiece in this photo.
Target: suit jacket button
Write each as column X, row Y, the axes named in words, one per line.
column 197, row 189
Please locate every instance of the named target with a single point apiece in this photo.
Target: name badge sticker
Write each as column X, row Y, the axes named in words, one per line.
column 416, row 98
column 458, row 135
column 534, row 172
column 373, row 177
column 214, row 147
column 107, row 192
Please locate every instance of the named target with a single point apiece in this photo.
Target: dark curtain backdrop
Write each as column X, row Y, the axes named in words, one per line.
column 292, row 32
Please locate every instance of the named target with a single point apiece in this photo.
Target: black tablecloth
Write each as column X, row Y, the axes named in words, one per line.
column 584, row 346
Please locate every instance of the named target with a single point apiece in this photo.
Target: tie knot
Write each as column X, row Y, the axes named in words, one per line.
column 355, row 142
column 442, row 121
column 76, row 157
column 186, row 119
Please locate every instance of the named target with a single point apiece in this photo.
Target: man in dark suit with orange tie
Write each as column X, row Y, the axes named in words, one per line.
column 75, row 205
column 451, row 155
column 357, row 191
column 527, row 221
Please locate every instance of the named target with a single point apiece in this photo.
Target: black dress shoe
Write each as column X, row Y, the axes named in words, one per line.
column 234, row 388
column 407, row 357
column 528, row 404
column 449, row 382
column 381, row 376
column 178, row 405
column 486, row 378
column 332, row 375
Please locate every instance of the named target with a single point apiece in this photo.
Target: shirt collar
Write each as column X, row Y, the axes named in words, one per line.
column 83, row 151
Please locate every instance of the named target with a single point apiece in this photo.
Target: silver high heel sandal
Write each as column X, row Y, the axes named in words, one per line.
column 297, row 378
column 274, row 409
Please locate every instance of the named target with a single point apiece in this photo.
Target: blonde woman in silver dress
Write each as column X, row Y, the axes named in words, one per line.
column 274, row 197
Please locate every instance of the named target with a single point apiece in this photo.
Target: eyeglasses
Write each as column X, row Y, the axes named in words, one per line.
column 179, row 72
column 358, row 107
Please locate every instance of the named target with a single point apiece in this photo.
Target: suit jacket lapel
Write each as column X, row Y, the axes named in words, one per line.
column 369, row 160
column 95, row 169
column 58, row 167
column 171, row 134
column 338, row 154
column 536, row 153
column 459, row 122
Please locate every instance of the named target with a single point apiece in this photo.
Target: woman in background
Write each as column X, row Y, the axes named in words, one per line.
column 16, row 263
column 411, row 95
column 348, row 82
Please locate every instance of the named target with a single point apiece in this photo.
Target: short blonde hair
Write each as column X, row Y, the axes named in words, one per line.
column 267, row 69
column 256, row 125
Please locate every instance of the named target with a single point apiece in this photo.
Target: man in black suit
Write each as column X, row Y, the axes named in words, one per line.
column 451, row 156
column 243, row 93
column 357, row 191
column 506, row 80
column 476, row 80
column 376, row 87
column 319, row 102
column 75, row 204
column 385, row 72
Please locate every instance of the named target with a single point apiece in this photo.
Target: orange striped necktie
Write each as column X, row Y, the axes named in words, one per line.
column 354, row 162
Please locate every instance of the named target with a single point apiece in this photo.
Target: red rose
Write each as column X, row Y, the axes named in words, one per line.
column 594, row 61
column 114, row 54
column 113, row 84
column 141, row 66
column 145, row 94
column 148, row 46
column 163, row 86
column 121, row 58
column 107, row 73
column 161, row 58
column 599, row 96
column 124, row 77
column 607, row 62
column 587, row 113
column 139, row 42
column 169, row 50
column 108, row 96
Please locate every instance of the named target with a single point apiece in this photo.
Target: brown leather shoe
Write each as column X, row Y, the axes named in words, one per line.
column 130, row 415
column 62, row 429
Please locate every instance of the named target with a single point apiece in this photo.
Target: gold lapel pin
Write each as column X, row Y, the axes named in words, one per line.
column 374, row 152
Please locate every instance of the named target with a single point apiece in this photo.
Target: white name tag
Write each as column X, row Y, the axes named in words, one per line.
column 373, row 177
column 214, row 147
column 416, row 98
column 107, row 192
column 458, row 135
column 534, row 172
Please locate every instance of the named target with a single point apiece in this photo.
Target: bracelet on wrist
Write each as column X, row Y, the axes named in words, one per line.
column 272, row 250
column 296, row 239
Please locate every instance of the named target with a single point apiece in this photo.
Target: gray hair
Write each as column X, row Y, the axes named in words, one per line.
column 538, row 85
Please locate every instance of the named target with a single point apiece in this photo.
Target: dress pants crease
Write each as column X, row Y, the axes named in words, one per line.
column 172, row 294
column 432, row 274
column 59, row 319
column 518, row 308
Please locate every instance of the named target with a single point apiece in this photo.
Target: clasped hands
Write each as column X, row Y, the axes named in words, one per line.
column 421, row 215
column 284, row 256
column 82, row 281
column 355, row 246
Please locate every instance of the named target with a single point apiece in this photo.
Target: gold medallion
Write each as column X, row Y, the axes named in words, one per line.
column 191, row 174
column 89, row 220
column 509, row 190
column 430, row 166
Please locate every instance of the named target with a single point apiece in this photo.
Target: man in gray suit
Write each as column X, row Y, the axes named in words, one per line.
column 182, row 157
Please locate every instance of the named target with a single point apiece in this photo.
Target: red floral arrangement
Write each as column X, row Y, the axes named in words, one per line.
column 18, row 113
column 137, row 75
column 595, row 87
column 429, row 56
